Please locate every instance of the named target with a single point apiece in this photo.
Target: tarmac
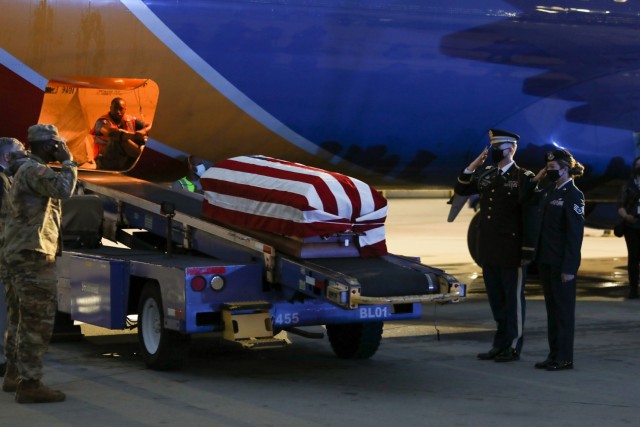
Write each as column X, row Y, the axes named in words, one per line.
column 425, row 372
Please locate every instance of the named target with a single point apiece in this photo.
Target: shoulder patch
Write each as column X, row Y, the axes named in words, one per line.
column 41, row 170
column 579, row 209
column 529, row 173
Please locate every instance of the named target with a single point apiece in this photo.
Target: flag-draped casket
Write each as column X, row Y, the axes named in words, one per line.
column 263, row 193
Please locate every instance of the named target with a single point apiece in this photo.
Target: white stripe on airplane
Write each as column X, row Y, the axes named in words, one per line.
column 200, row 66
column 15, row 65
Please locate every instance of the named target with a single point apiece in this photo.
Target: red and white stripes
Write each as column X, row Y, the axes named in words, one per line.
column 264, row 193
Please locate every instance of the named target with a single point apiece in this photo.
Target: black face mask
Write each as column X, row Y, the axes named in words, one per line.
column 497, row 155
column 553, row 175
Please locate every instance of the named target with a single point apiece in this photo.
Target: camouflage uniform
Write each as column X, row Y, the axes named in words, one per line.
column 31, row 237
column 6, row 294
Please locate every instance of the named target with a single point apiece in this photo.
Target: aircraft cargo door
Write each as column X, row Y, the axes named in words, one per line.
column 74, row 104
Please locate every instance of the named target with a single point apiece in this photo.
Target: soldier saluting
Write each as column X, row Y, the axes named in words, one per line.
column 31, row 232
column 500, row 238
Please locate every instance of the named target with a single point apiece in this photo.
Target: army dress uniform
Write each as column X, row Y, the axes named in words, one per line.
column 500, row 244
column 561, row 233
column 31, row 237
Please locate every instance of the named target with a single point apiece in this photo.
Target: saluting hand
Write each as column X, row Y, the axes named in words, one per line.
column 479, row 160
column 62, row 152
column 540, row 175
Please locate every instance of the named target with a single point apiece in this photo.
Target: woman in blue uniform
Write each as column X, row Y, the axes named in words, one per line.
column 561, row 213
column 629, row 210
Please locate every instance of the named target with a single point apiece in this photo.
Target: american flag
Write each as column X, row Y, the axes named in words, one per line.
column 263, row 193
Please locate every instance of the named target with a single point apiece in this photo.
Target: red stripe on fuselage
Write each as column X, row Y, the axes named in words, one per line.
column 20, row 106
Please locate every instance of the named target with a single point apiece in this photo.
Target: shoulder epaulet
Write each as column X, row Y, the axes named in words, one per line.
column 528, row 172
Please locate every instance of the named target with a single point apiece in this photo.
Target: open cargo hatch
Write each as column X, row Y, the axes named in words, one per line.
column 73, row 104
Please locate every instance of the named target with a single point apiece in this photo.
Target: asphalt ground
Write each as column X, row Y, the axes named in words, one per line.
column 425, row 372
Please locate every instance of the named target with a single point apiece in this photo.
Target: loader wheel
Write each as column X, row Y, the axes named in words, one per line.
column 161, row 349
column 355, row 340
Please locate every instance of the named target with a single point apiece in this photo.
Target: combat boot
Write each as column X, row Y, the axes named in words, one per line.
column 10, row 383
column 33, row 391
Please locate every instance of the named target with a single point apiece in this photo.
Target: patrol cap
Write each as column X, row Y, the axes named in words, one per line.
column 44, row 133
column 7, row 145
column 498, row 136
column 6, row 142
column 559, row 156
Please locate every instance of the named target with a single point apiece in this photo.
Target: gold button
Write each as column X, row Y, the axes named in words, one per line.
column 488, row 216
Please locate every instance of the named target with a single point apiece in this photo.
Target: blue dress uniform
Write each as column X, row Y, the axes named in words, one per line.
column 561, row 231
column 500, row 249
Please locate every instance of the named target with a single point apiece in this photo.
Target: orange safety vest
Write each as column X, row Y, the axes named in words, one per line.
column 128, row 123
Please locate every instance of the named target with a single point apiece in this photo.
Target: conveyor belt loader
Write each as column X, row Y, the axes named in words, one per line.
column 183, row 274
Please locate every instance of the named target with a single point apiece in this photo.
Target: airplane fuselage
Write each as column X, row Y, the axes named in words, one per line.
column 399, row 93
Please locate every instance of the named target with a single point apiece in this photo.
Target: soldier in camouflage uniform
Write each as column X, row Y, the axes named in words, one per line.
column 7, row 146
column 31, row 238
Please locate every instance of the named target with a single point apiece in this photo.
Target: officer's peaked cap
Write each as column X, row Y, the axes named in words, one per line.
column 498, row 136
column 559, row 156
column 44, row 133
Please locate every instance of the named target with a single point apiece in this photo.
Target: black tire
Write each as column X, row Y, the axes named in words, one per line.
column 473, row 238
column 355, row 340
column 161, row 349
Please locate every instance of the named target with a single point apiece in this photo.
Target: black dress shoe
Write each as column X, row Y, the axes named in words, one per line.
column 543, row 365
column 507, row 355
column 559, row 365
column 490, row 355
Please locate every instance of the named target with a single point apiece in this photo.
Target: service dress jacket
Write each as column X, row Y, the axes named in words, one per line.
column 562, row 227
column 501, row 213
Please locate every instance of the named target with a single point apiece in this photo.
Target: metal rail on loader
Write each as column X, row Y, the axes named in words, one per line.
column 182, row 274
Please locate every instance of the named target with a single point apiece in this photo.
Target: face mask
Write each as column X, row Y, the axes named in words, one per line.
column 497, row 155
column 200, row 170
column 553, row 175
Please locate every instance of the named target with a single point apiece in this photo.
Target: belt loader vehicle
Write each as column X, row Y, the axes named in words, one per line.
column 183, row 274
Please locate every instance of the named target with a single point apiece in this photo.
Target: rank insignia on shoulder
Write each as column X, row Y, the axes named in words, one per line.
column 529, row 173
column 579, row 209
